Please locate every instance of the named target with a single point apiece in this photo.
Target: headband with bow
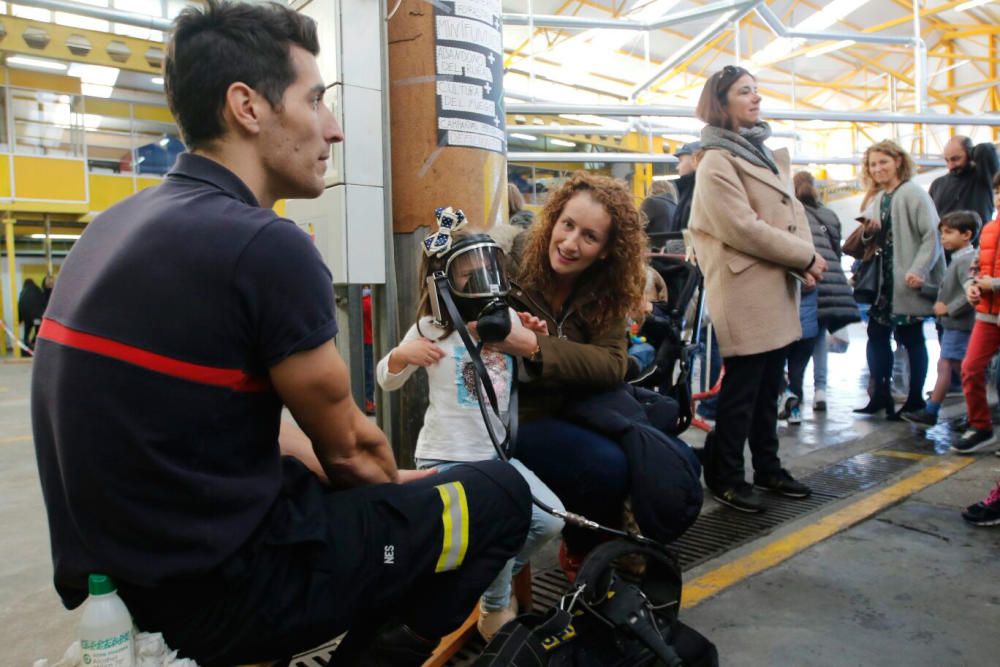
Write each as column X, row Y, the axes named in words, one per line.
column 449, row 220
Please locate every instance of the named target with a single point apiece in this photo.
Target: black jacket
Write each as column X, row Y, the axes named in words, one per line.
column 685, row 191
column 664, row 474
column 660, row 210
column 972, row 188
column 837, row 306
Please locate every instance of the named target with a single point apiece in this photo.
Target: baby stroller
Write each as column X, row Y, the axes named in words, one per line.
column 674, row 326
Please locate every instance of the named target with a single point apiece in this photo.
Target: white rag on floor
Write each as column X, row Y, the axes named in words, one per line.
column 150, row 651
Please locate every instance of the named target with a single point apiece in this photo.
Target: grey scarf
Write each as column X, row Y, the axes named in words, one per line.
column 748, row 143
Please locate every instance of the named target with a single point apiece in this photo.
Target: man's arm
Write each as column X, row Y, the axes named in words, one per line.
column 314, row 384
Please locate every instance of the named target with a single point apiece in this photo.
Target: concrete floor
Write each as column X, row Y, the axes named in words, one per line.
column 912, row 585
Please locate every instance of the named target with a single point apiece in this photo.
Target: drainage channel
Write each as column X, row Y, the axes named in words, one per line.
column 721, row 530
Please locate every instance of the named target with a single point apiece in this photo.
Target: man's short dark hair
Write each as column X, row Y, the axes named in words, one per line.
column 223, row 42
column 962, row 221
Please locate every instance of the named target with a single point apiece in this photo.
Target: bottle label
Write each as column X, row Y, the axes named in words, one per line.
column 108, row 652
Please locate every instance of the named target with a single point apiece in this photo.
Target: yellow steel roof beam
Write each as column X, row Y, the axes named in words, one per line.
column 36, row 38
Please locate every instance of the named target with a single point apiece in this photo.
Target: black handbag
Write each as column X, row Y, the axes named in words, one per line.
column 609, row 618
column 868, row 280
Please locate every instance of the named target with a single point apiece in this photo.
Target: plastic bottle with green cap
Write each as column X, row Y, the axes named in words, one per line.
column 106, row 636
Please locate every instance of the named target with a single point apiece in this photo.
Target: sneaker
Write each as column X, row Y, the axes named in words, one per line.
column 819, row 401
column 987, row 512
column 490, row 621
column 788, row 401
column 740, row 497
column 920, row 417
column 974, row 440
column 795, row 415
column 961, row 424
column 783, row 484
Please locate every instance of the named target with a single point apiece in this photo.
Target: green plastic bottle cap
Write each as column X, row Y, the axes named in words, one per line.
column 100, row 584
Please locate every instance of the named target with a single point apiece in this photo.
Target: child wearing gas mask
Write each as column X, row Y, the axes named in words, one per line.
column 453, row 431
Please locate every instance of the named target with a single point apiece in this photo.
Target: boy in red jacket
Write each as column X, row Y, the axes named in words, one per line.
column 984, row 292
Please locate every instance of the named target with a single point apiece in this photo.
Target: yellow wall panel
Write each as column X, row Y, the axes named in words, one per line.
column 144, row 112
column 4, row 176
column 101, row 107
column 107, row 190
column 20, row 78
column 147, row 182
column 49, row 178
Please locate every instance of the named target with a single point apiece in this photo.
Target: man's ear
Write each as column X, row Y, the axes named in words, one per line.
column 241, row 110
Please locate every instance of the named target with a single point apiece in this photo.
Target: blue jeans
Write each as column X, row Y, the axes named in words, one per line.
column 586, row 470
column 819, row 362
column 544, row 527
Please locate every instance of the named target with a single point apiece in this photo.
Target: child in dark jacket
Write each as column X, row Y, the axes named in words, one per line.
column 952, row 308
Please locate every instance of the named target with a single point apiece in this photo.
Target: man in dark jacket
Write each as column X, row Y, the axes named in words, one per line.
column 687, row 162
column 968, row 184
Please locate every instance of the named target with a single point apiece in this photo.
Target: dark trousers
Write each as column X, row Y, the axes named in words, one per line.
column 799, row 354
column 328, row 561
column 588, row 472
column 748, row 411
column 879, row 351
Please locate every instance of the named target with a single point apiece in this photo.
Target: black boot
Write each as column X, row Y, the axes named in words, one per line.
column 394, row 645
column 881, row 400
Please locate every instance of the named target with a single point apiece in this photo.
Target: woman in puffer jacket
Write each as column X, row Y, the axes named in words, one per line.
column 830, row 306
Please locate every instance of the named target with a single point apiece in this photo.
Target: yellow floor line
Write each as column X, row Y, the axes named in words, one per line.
column 15, row 438
column 780, row 550
column 913, row 456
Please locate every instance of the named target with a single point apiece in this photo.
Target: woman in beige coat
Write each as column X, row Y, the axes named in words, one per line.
column 754, row 247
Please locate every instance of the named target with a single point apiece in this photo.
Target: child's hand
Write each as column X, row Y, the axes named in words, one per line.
column 940, row 309
column 536, row 324
column 983, row 283
column 419, row 352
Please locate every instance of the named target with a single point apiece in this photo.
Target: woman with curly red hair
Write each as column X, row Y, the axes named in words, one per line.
column 582, row 272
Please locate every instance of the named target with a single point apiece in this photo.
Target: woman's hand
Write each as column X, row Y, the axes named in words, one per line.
column 984, row 283
column 913, row 281
column 973, row 294
column 810, row 282
column 419, row 352
column 520, row 342
column 536, row 324
column 819, row 266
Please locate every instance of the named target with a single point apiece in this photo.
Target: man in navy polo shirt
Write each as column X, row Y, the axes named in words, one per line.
column 184, row 319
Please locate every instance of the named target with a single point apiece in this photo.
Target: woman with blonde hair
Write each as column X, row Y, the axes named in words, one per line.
column 582, row 272
column 903, row 227
column 754, row 247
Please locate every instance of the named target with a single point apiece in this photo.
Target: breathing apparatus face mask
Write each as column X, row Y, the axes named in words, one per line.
column 474, row 277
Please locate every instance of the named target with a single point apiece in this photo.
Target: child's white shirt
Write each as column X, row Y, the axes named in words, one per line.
column 453, row 427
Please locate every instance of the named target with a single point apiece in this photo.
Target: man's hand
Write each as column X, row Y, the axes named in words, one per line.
column 810, row 282
column 315, row 386
column 973, row 294
column 819, row 266
column 913, row 281
column 419, row 352
column 940, row 308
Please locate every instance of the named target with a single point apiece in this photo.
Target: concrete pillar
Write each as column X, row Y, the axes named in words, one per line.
column 448, row 144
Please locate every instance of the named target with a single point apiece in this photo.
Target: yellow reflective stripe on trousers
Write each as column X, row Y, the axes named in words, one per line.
column 455, row 519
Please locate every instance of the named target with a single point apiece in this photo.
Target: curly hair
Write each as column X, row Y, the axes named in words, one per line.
column 620, row 278
column 888, row 147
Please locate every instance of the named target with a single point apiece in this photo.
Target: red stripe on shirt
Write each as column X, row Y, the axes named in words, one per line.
column 231, row 378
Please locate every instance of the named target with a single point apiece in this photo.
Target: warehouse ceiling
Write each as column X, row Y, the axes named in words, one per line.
column 669, row 65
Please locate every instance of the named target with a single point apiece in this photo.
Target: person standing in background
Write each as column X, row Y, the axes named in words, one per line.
column 968, row 185
column 660, row 209
column 688, row 156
